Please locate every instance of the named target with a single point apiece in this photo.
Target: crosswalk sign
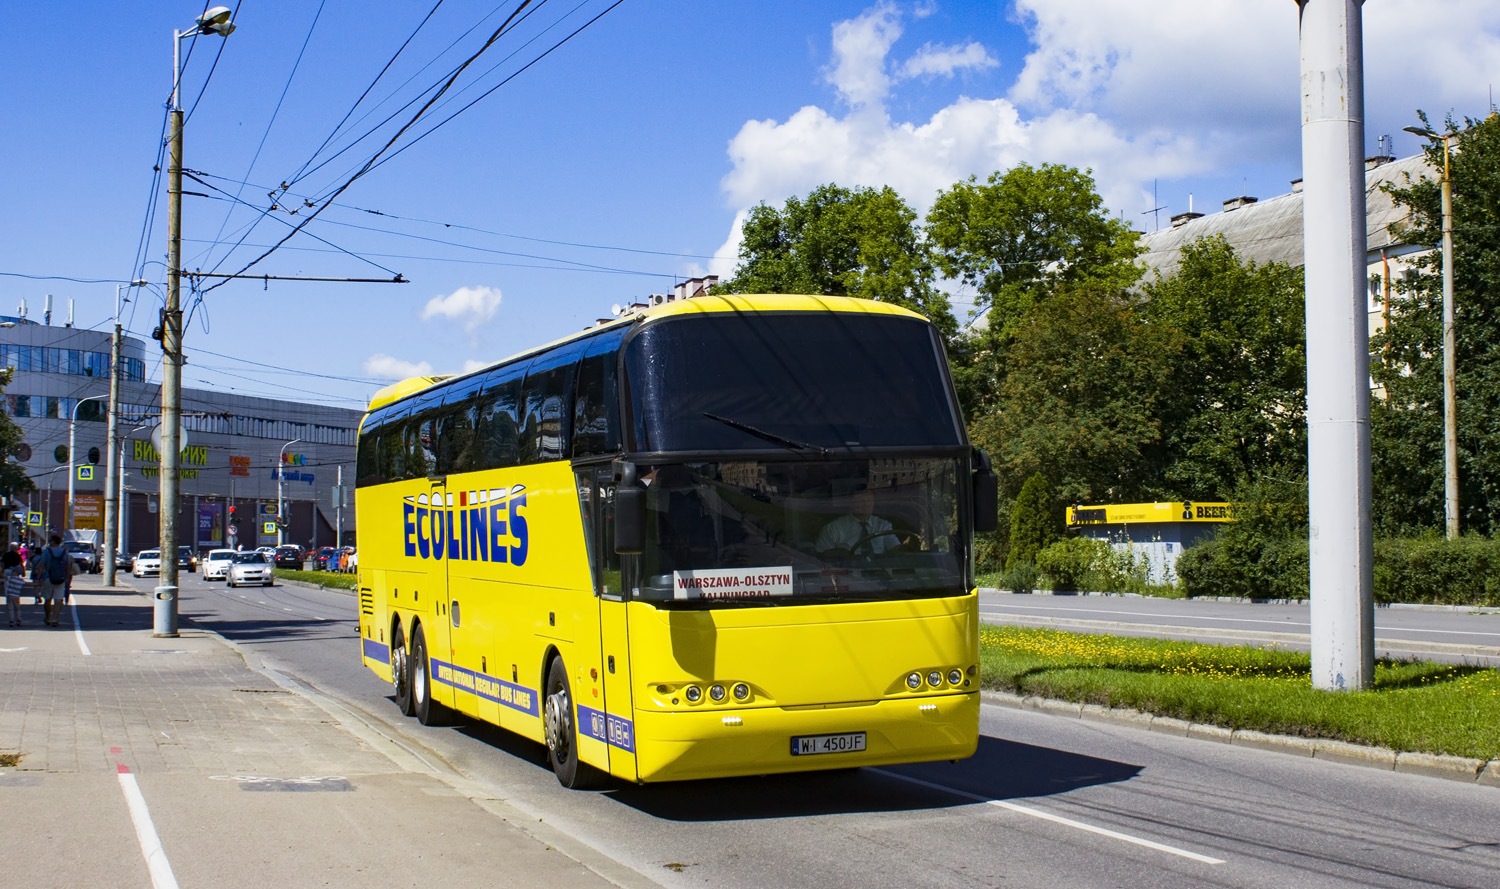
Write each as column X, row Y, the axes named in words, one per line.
column 34, row 519
column 85, row 473
column 268, row 527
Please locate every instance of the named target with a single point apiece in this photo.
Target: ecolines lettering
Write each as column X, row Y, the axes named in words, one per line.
column 492, row 531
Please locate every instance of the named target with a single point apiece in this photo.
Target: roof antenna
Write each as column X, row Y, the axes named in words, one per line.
column 1155, row 211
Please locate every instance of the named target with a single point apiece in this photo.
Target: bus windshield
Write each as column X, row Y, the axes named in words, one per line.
column 799, row 532
column 800, row 382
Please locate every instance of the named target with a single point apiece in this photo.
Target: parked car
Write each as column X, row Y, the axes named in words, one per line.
column 216, row 564
column 351, row 562
column 124, row 561
column 187, row 560
column 288, row 556
column 147, row 561
column 327, row 559
column 85, row 554
column 249, row 568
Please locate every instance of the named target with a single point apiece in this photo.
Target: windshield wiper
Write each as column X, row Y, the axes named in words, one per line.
column 772, row 437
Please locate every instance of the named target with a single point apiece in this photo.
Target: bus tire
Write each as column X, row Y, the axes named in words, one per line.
column 401, row 672
column 428, row 711
column 560, row 726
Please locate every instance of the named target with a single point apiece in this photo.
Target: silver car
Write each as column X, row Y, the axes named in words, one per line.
column 216, row 564
column 252, row 568
column 147, row 561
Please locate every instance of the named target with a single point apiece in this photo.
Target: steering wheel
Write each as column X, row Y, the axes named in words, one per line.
column 904, row 538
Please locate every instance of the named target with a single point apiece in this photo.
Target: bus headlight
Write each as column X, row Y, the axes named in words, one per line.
column 914, row 681
column 935, row 678
column 716, row 693
column 955, row 676
column 741, row 691
column 693, row 693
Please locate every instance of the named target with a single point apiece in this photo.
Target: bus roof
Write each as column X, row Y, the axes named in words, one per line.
column 737, row 302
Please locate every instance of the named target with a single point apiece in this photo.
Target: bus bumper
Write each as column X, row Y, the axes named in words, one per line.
column 723, row 742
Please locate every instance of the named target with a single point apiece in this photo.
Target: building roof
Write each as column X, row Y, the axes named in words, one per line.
column 1271, row 230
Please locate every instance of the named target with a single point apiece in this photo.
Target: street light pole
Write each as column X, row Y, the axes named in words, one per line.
column 213, row 21
column 112, row 443
column 68, row 519
column 1450, row 345
column 280, row 476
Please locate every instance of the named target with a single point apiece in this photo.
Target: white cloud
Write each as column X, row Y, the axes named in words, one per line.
column 471, row 305
column 386, row 367
column 860, row 46
column 473, row 364
column 943, row 61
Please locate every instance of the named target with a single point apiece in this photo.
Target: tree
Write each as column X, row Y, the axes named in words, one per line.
column 1016, row 238
column 1234, row 407
column 1407, row 425
column 860, row 242
column 13, row 477
column 1081, row 402
column 1025, row 232
column 1033, row 522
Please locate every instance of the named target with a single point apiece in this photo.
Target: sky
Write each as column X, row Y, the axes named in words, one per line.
column 579, row 162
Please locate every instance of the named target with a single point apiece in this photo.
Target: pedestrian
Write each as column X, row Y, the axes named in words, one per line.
column 50, row 571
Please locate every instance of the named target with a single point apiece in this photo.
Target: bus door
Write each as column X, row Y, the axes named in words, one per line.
column 615, row 722
column 433, row 602
column 472, row 605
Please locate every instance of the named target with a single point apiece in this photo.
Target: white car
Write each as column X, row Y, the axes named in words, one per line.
column 147, row 561
column 252, row 568
column 216, row 565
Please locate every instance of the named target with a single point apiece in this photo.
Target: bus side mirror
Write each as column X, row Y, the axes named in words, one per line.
column 630, row 510
column 986, row 494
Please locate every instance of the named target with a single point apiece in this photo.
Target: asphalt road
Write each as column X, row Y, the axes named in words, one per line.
column 1047, row 801
column 1457, row 635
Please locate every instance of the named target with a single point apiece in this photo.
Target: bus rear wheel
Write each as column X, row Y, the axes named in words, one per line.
column 401, row 672
column 428, row 711
column 561, row 730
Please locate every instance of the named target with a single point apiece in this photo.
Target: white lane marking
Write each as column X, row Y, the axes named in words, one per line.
column 78, row 630
column 1058, row 819
column 285, row 609
column 145, row 832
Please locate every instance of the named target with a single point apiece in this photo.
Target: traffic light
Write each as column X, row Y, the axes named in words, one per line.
column 94, row 455
column 231, row 513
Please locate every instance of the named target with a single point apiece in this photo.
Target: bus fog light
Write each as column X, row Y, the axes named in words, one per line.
column 693, row 693
column 741, row 691
column 716, row 692
column 955, row 676
column 935, row 678
column 914, row 680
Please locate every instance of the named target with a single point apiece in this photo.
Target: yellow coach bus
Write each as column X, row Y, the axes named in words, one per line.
column 724, row 536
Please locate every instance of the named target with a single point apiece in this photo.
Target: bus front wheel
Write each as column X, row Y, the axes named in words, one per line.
column 401, row 672
column 561, row 730
column 428, row 711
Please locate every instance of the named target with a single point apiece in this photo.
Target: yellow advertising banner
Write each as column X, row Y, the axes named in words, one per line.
column 1130, row 513
column 88, row 511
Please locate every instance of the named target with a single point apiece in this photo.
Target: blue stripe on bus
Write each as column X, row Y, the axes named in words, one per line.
column 377, row 651
column 611, row 730
column 516, row 697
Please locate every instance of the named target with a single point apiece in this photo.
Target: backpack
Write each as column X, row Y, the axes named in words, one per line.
column 57, row 568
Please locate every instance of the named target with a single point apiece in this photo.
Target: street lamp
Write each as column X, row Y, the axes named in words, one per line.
column 112, row 442
column 280, row 475
column 212, row 21
column 72, row 458
column 124, row 522
column 1450, row 400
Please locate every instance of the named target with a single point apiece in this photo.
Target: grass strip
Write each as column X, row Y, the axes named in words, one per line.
column 1417, row 706
column 338, row 579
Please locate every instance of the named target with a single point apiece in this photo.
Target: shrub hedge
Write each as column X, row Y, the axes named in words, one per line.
column 1430, row 570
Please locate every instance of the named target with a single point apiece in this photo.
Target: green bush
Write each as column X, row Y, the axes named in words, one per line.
column 1034, row 524
column 1068, row 563
column 1021, row 579
column 1238, row 561
column 1435, row 570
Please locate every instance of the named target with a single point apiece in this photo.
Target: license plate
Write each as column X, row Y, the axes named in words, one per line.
column 809, row 745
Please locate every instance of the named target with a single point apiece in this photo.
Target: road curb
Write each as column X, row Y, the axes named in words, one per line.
column 1453, row 768
column 1240, row 600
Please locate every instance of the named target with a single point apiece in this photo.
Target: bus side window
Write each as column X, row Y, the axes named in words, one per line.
column 596, row 499
column 544, row 436
column 393, row 451
column 421, row 461
column 495, row 425
column 367, row 458
column 596, row 412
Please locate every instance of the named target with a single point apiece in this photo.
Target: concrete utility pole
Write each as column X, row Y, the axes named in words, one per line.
column 212, row 21
column 111, row 444
column 1338, row 367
